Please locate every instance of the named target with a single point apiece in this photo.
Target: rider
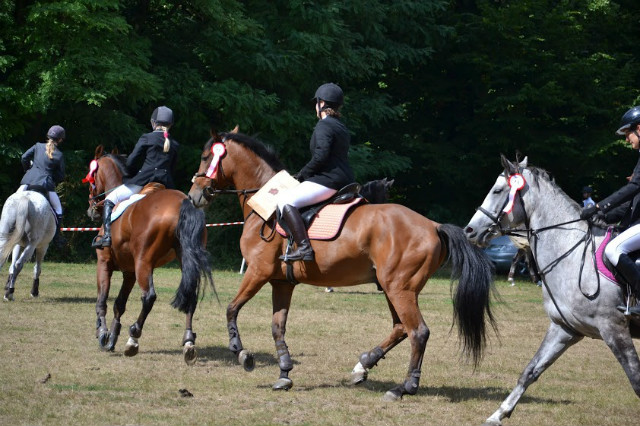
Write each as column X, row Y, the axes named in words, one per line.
column 158, row 153
column 44, row 166
column 326, row 172
column 618, row 249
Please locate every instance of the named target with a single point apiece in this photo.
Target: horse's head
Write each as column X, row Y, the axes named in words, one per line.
column 105, row 173
column 502, row 208
column 232, row 159
column 210, row 175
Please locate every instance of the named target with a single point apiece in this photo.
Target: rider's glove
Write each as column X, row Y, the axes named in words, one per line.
column 588, row 211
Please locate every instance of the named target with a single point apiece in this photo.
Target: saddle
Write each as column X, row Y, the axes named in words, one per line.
column 146, row 190
column 324, row 220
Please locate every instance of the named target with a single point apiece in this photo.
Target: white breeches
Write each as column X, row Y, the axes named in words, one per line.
column 123, row 192
column 54, row 200
column 625, row 243
column 305, row 194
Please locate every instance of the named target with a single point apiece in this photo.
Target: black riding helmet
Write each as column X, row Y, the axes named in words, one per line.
column 56, row 132
column 331, row 93
column 629, row 119
column 162, row 115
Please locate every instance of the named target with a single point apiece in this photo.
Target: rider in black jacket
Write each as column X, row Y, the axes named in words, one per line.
column 618, row 249
column 326, row 172
column 44, row 166
column 158, row 153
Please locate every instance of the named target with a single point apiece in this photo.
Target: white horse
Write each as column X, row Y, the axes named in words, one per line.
column 27, row 225
column 525, row 200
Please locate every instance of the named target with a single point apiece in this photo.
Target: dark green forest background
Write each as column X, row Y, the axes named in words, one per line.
column 435, row 90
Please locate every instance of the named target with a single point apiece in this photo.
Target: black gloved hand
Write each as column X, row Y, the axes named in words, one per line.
column 588, row 211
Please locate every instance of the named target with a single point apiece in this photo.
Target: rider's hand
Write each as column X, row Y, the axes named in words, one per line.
column 588, row 211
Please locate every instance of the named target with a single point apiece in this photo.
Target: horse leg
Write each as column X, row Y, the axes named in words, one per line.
column 189, row 341
column 281, row 293
column 248, row 288
column 406, row 306
column 17, row 263
column 620, row 342
column 555, row 343
column 11, row 279
column 104, row 271
column 144, row 277
column 119, row 307
column 370, row 359
column 37, row 268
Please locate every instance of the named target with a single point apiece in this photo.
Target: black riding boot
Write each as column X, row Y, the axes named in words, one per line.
column 105, row 240
column 627, row 267
column 303, row 250
column 58, row 240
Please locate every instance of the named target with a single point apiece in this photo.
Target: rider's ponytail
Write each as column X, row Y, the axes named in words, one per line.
column 51, row 148
column 167, row 141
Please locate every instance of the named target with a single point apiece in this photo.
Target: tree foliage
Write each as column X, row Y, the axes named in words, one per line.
column 435, row 90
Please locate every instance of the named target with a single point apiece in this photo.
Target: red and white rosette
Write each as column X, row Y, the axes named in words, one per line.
column 91, row 176
column 516, row 183
column 218, row 150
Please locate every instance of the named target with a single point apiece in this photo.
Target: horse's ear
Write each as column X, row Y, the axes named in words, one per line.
column 115, row 151
column 524, row 162
column 509, row 167
column 99, row 151
column 235, row 129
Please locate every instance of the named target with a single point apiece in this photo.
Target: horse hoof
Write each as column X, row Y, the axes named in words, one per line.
column 131, row 348
column 283, row 384
column 103, row 340
column 358, row 377
column 36, row 295
column 245, row 358
column 391, row 397
column 8, row 299
column 190, row 354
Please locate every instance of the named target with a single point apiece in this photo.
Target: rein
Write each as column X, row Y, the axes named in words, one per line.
column 210, row 192
column 533, row 234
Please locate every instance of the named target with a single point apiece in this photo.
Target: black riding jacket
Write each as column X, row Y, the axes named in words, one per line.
column 329, row 164
column 624, row 203
column 157, row 165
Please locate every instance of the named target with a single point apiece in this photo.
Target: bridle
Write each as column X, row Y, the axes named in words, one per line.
column 532, row 236
column 210, row 191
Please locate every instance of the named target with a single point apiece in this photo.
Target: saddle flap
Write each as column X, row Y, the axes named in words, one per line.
column 327, row 221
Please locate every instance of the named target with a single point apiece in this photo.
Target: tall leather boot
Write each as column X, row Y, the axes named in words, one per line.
column 58, row 240
column 627, row 267
column 303, row 250
column 105, row 240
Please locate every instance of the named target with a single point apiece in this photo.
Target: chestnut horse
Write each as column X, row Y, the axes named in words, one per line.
column 150, row 233
column 385, row 242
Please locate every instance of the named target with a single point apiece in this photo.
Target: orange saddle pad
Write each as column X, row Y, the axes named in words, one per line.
column 327, row 222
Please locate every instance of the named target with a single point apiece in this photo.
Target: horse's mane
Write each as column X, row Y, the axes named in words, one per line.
column 267, row 153
column 120, row 161
column 539, row 174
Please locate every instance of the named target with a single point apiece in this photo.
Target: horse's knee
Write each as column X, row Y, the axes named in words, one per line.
column 422, row 334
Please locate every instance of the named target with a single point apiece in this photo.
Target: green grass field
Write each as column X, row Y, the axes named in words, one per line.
column 55, row 335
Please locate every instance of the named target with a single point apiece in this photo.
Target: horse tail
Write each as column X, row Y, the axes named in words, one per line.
column 17, row 227
column 473, row 270
column 194, row 259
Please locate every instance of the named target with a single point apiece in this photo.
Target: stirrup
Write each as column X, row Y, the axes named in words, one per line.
column 307, row 256
column 99, row 242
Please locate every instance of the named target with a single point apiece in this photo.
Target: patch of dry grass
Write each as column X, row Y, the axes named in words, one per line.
column 55, row 335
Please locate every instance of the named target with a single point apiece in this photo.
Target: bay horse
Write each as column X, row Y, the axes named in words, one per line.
column 387, row 243
column 162, row 226
column 27, row 226
column 525, row 201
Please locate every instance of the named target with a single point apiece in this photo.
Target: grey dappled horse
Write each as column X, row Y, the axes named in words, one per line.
column 578, row 302
column 27, row 225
